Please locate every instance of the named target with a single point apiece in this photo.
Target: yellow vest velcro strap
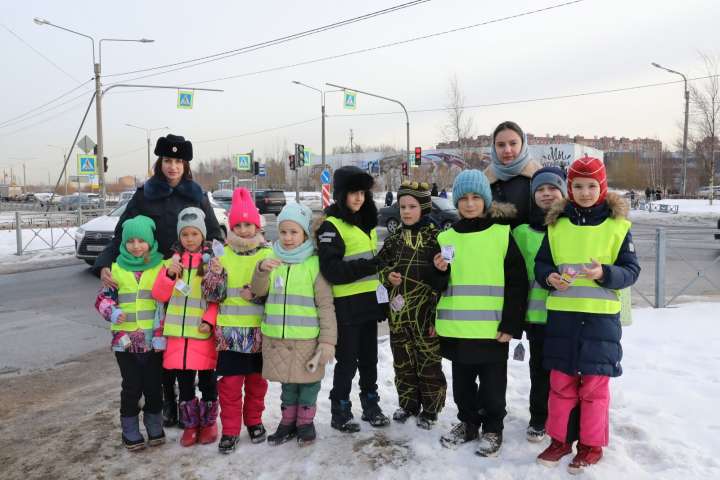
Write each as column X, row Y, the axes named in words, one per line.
column 536, row 305
column 290, row 299
column 291, row 320
column 191, row 302
column 586, row 292
column 241, row 310
column 472, row 315
column 472, row 290
column 358, row 256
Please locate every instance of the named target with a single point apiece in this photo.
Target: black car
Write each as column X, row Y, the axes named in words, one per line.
column 443, row 214
column 267, row 201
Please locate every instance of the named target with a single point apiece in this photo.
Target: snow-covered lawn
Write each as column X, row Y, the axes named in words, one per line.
column 36, row 250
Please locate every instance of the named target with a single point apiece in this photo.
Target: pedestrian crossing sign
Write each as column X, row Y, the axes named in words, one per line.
column 243, row 161
column 185, row 99
column 350, row 99
column 87, row 164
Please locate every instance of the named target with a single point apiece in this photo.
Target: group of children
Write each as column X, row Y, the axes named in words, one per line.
column 240, row 315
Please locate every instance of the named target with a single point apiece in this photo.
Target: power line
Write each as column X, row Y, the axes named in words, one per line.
column 257, row 132
column 28, row 117
column 377, row 47
column 268, row 43
column 5, row 122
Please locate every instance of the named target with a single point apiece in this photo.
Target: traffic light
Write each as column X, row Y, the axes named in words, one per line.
column 405, row 169
column 418, row 156
column 291, row 161
column 105, row 164
column 256, row 168
column 299, row 155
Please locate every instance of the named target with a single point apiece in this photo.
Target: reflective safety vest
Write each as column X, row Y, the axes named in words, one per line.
column 573, row 246
column 184, row 313
column 290, row 310
column 358, row 244
column 472, row 305
column 528, row 241
column 135, row 298
column 235, row 311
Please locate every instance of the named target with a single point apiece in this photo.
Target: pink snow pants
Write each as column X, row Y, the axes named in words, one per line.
column 592, row 392
column 232, row 411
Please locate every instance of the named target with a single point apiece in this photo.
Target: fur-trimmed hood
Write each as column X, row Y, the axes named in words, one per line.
column 615, row 206
column 528, row 171
column 156, row 188
column 498, row 213
column 501, row 211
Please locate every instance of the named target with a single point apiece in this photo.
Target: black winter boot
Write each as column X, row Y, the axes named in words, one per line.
column 227, row 443
column 371, row 410
column 131, row 436
column 460, row 433
column 154, row 428
column 341, row 416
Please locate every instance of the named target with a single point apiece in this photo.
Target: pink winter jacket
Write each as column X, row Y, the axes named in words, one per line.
column 186, row 353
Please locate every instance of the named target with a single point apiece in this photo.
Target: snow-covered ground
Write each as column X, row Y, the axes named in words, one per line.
column 689, row 211
column 36, row 250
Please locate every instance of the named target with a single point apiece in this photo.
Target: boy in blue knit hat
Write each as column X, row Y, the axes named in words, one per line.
column 482, row 308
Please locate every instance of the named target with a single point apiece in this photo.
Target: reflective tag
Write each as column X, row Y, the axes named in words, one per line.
column 397, row 303
column 448, row 253
column 382, row 294
column 519, row 352
column 182, row 287
column 279, row 282
column 217, row 248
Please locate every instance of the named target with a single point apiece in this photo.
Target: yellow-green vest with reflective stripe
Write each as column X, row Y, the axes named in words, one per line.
column 135, row 298
column 573, row 246
column 235, row 311
column 358, row 244
column 290, row 310
column 184, row 314
column 472, row 305
column 528, row 241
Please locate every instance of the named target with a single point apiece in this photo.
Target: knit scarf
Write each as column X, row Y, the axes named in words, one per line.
column 505, row 172
column 296, row 255
column 132, row 263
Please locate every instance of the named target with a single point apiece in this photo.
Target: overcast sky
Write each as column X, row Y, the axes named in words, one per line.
column 588, row 46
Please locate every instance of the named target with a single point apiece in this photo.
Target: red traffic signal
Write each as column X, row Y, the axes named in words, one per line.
column 405, row 168
column 291, row 160
column 418, row 155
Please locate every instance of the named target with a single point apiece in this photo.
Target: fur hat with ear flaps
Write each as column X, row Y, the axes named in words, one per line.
column 174, row 146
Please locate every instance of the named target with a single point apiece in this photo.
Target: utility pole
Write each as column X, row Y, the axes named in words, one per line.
column 24, row 189
column 351, row 141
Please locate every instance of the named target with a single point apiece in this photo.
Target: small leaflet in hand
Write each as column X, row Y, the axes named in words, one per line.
column 278, row 282
column 217, row 248
column 182, row 287
column 382, row 294
column 519, row 352
column 448, row 253
column 397, row 303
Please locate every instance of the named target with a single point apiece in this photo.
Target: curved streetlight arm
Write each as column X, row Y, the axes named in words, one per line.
column 41, row 21
column 136, row 40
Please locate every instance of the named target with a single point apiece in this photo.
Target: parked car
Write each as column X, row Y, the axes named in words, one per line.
column 443, row 214
column 125, row 196
column 92, row 237
column 81, row 200
column 267, row 201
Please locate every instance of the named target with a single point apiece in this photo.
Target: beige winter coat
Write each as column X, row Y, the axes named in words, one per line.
column 285, row 360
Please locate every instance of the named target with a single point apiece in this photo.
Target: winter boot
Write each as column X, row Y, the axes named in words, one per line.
column 170, row 406
column 154, row 428
column 341, row 416
column 489, row 444
column 535, row 434
column 190, row 416
column 208, row 422
column 257, row 433
column 426, row 420
column 287, row 429
column 586, row 456
column 462, row 432
column 371, row 410
column 131, row 436
column 552, row 454
column 227, row 443
column 401, row 415
column 305, row 426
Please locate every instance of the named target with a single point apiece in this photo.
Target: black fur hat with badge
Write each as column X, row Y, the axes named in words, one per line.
column 174, row 146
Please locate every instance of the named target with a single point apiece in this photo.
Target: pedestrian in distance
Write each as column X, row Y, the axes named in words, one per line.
column 586, row 257
column 443, row 193
column 548, row 186
column 238, row 339
column 482, row 308
column 413, row 285
column 188, row 324
column 347, row 245
column 388, row 198
column 434, row 190
column 137, row 339
column 299, row 326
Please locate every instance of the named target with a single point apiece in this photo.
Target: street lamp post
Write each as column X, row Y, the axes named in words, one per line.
column 322, row 93
column 685, row 130
column 148, row 131
column 407, row 117
column 98, row 95
column 64, row 168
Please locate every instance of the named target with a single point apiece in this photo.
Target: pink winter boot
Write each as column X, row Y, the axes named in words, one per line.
column 190, row 417
column 208, row 422
column 287, row 429
column 305, row 427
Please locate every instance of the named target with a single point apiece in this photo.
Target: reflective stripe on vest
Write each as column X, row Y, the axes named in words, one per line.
column 529, row 241
column 135, row 298
column 472, row 305
column 235, row 311
column 290, row 310
column 573, row 246
column 358, row 245
column 184, row 314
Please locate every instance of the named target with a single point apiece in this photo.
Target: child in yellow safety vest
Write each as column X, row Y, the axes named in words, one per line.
column 299, row 327
column 586, row 257
column 188, row 324
column 237, row 332
column 482, row 308
column 547, row 187
column 137, row 337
